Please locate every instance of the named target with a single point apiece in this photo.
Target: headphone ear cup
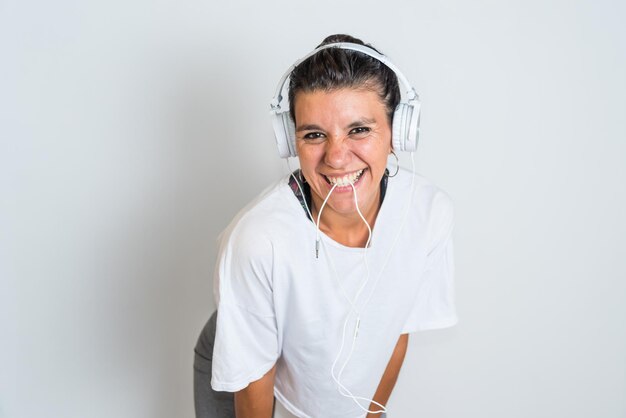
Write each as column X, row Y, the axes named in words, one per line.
column 405, row 127
column 290, row 129
column 284, row 132
column 397, row 128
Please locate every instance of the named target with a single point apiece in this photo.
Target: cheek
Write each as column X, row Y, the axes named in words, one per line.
column 374, row 154
column 308, row 158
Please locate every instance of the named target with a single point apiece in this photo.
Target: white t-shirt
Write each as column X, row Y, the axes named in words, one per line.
column 279, row 304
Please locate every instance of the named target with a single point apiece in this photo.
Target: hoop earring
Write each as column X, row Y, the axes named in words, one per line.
column 397, row 165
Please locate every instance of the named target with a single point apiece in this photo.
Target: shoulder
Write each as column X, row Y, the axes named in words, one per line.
column 248, row 246
column 427, row 198
column 267, row 217
column 431, row 207
column 434, row 201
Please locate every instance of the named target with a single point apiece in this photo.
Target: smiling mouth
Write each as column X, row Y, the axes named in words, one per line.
column 345, row 180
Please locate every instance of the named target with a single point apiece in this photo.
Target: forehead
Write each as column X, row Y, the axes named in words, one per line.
column 338, row 105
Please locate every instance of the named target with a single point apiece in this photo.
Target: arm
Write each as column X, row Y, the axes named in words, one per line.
column 390, row 375
column 257, row 399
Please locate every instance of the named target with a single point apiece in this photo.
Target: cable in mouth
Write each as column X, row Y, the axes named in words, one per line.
column 345, row 180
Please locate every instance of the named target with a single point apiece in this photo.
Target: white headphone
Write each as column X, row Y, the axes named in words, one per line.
column 406, row 117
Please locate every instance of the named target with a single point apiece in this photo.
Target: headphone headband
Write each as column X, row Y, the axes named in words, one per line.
column 410, row 92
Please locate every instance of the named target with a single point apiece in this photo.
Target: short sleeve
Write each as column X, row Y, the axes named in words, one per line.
column 246, row 341
column 434, row 306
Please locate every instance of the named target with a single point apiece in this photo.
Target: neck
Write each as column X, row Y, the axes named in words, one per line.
column 347, row 229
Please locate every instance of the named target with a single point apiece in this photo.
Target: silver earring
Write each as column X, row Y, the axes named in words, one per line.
column 397, row 165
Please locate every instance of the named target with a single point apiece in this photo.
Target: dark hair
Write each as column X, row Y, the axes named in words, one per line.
column 336, row 68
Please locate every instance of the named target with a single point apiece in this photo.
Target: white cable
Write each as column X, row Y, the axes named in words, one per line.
column 306, row 207
column 337, row 378
column 343, row 390
column 317, row 224
column 351, row 302
column 395, row 241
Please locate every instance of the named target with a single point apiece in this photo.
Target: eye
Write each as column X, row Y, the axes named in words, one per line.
column 360, row 132
column 314, row 137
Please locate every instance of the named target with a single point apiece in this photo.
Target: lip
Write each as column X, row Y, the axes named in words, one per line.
column 347, row 187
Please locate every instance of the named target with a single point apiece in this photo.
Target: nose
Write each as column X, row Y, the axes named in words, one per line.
column 337, row 153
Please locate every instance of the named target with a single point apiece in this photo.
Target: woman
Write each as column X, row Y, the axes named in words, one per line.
column 320, row 280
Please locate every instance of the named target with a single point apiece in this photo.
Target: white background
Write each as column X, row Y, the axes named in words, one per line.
column 132, row 131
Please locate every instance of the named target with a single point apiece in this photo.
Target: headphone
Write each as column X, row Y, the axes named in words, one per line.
column 406, row 117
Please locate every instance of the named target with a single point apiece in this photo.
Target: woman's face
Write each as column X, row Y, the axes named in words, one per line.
column 343, row 136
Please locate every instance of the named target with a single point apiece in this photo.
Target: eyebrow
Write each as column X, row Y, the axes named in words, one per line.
column 308, row 128
column 359, row 122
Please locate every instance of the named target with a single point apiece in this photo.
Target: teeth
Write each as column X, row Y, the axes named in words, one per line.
column 345, row 180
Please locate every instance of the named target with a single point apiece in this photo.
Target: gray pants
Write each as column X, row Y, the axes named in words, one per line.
column 209, row 403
